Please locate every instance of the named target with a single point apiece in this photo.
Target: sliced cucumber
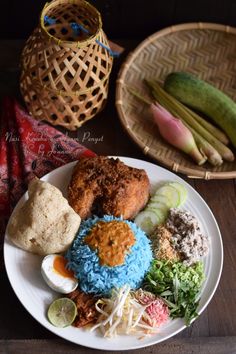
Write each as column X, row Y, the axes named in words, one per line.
column 161, row 213
column 182, row 191
column 171, row 194
column 157, row 205
column 160, row 198
column 147, row 220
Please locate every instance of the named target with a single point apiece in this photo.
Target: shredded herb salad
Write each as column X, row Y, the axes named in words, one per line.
column 179, row 285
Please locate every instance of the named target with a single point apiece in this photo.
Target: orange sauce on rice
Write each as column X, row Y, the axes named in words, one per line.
column 112, row 240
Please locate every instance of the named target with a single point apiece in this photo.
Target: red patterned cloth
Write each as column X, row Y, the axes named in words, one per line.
column 28, row 148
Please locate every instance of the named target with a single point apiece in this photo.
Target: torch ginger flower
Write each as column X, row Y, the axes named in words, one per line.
column 176, row 133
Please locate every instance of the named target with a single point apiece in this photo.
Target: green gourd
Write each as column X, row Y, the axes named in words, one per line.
column 206, row 98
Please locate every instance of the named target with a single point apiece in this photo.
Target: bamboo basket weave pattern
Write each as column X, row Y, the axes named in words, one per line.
column 205, row 50
column 64, row 77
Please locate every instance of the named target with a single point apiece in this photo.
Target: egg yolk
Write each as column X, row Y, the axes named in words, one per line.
column 59, row 265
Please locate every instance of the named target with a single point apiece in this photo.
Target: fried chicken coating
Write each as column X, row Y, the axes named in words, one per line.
column 102, row 185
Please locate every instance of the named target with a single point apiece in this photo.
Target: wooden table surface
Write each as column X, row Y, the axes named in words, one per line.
column 214, row 331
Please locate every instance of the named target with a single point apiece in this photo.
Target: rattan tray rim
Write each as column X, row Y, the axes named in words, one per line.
column 175, row 166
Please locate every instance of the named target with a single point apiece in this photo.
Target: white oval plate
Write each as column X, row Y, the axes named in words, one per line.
column 23, row 268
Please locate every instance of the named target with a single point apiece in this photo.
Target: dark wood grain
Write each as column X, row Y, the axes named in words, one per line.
column 220, row 196
column 214, row 332
column 180, row 346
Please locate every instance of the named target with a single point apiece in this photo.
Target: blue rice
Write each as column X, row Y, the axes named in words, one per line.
column 97, row 279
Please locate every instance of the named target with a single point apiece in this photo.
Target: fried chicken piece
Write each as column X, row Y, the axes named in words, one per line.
column 103, row 185
column 86, row 311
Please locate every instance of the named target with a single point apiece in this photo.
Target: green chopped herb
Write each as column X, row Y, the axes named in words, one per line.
column 178, row 284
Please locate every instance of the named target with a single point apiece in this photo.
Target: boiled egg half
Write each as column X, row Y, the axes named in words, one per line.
column 56, row 274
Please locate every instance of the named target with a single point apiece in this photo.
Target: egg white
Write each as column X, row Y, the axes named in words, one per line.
column 55, row 280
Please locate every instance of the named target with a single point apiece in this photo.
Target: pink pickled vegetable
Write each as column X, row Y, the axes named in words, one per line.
column 176, row 133
column 158, row 312
column 156, row 309
column 144, row 297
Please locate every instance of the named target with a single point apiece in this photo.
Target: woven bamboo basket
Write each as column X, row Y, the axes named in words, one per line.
column 65, row 73
column 203, row 49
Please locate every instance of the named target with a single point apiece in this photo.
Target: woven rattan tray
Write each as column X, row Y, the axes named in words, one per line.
column 204, row 49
